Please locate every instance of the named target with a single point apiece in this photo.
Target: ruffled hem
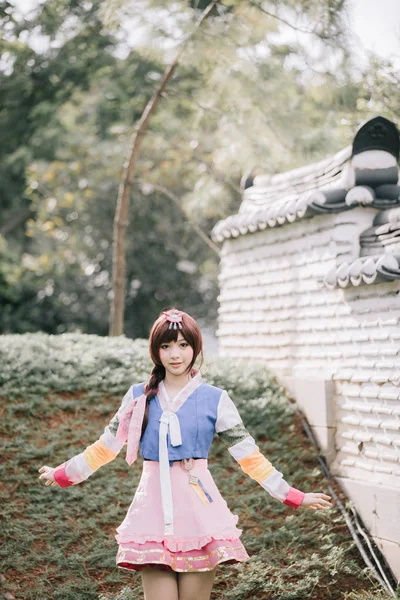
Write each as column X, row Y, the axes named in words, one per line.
column 135, row 557
column 181, row 544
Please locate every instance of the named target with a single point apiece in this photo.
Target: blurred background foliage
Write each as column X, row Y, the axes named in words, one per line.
column 74, row 80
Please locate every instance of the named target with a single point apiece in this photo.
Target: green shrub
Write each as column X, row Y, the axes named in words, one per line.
column 58, row 392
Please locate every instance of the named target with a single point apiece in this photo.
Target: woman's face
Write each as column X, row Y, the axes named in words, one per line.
column 176, row 356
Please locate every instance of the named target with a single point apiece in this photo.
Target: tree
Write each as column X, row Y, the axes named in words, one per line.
column 34, row 84
column 126, row 185
column 120, row 221
column 241, row 98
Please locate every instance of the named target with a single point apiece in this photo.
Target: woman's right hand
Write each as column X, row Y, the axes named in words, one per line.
column 316, row 501
column 47, row 473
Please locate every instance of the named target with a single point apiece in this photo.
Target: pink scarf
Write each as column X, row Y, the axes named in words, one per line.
column 130, row 427
column 131, row 421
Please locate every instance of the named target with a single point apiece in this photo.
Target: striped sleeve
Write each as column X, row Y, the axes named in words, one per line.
column 230, row 428
column 104, row 450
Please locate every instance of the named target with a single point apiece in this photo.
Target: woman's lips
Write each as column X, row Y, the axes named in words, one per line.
column 175, row 364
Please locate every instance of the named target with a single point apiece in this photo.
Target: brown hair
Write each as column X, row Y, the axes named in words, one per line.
column 161, row 334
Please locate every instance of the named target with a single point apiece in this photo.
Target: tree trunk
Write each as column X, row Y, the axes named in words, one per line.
column 125, row 190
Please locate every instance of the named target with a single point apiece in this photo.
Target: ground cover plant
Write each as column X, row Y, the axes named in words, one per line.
column 57, row 395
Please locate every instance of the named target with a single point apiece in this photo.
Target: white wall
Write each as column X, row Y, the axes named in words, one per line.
column 337, row 351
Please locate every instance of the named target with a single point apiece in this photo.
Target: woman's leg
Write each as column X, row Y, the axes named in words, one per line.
column 159, row 584
column 196, row 586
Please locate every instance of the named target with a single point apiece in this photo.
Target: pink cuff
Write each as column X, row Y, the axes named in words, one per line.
column 61, row 477
column 294, row 498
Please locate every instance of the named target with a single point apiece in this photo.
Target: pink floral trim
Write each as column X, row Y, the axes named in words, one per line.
column 294, row 498
column 134, row 557
column 181, row 545
column 61, row 476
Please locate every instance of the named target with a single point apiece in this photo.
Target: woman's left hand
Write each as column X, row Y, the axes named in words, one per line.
column 316, row 501
column 47, row 473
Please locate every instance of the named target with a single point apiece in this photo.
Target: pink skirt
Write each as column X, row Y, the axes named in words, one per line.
column 205, row 533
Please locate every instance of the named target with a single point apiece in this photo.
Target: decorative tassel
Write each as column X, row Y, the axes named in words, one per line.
column 200, row 490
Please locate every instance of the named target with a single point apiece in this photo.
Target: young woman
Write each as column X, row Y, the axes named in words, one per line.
column 178, row 527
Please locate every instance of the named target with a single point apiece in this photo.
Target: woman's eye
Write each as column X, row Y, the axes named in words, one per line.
column 164, row 346
column 184, row 344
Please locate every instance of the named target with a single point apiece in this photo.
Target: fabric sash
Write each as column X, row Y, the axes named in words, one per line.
column 130, row 426
column 168, row 421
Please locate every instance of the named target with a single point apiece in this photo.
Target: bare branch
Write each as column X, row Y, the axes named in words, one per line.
column 183, row 96
column 177, row 202
column 125, row 188
column 308, row 31
column 210, row 167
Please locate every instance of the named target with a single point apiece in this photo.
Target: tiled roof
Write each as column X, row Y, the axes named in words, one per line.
column 285, row 197
column 259, row 211
column 272, row 200
column 332, row 186
column 266, row 189
column 378, row 261
column 367, row 269
column 384, row 235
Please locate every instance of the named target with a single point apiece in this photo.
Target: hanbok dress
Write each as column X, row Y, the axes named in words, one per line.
column 178, row 519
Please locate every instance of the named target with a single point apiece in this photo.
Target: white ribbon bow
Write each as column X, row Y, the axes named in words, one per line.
column 168, row 422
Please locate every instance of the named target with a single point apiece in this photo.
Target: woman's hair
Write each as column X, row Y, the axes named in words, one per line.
column 161, row 334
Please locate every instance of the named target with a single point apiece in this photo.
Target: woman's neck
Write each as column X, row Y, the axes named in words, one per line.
column 178, row 382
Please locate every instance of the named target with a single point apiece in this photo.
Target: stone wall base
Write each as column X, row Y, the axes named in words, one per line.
column 377, row 505
column 379, row 508
column 315, row 398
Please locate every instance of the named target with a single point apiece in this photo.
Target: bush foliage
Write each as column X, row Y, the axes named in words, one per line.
column 58, row 392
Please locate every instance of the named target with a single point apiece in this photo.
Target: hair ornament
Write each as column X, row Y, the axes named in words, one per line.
column 175, row 318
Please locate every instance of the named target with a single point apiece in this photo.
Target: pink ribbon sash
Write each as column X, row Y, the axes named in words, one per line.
column 130, row 427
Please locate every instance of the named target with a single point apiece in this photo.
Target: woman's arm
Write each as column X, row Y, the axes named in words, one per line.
column 230, row 428
column 80, row 467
